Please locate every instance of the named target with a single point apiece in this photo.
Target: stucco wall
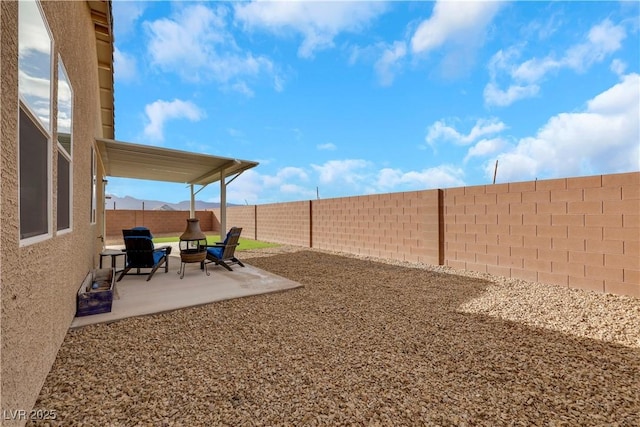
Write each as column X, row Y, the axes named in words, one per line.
column 39, row 281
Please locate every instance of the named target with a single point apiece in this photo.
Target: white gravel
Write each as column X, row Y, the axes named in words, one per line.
column 363, row 343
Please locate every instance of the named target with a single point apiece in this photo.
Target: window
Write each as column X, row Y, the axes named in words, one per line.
column 34, row 178
column 34, row 88
column 65, row 126
column 64, row 192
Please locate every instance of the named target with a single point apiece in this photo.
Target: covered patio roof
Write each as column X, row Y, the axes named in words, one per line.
column 128, row 160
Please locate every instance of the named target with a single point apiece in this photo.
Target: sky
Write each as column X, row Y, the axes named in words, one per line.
column 338, row 99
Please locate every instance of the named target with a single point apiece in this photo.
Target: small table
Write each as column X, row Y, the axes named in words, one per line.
column 114, row 254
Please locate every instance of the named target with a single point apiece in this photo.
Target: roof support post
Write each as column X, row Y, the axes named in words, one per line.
column 223, row 205
column 192, row 205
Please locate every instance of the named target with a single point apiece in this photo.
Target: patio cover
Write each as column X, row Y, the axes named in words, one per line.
column 127, row 160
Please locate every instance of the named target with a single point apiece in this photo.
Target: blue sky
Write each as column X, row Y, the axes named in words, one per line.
column 349, row 98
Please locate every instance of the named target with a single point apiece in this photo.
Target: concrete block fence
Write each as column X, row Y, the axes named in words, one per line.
column 573, row 232
column 159, row 222
column 576, row 232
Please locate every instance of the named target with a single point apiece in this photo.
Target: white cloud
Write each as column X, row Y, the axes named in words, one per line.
column 278, row 83
column 388, row 65
column 542, row 30
column 32, row 31
column 601, row 139
column 436, row 177
column 293, row 189
column 318, row 22
column 618, row 67
column 493, row 95
column 196, row 44
column 485, row 147
column 512, row 166
column 284, row 176
column 124, row 65
column 458, row 27
column 453, row 21
column 35, row 88
column 243, row 88
column 440, row 131
column 188, row 38
column 388, row 59
column 348, row 171
column 160, row 111
column 251, row 187
column 328, row 146
column 601, row 41
column 247, row 188
column 336, row 178
column 535, row 69
column 125, row 15
column 619, row 99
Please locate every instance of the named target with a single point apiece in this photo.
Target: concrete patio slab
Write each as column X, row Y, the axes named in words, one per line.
column 166, row 291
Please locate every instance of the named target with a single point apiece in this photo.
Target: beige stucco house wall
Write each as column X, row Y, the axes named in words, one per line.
column 39, row 281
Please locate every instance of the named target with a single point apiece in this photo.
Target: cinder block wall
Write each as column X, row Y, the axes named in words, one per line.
column 239, row 216
column 156, row 221
column 288, row 223
column 401, row 226
column 576, row 232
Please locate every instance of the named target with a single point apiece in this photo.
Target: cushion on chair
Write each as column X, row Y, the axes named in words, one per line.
column 157, row 256
column 216, row 252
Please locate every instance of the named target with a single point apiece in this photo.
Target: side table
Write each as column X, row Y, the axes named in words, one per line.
column 114, row 254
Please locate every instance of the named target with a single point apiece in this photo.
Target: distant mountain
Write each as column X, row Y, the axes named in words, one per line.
column 131, row 203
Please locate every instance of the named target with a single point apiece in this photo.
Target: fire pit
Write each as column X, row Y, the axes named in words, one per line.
column 192, row 246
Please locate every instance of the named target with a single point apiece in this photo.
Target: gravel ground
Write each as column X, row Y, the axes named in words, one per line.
column 363, row 343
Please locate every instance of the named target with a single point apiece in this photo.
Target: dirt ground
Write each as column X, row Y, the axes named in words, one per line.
column 362, row 343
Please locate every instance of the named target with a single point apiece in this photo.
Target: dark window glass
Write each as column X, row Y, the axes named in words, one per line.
column 33, row 178
column 63, row 193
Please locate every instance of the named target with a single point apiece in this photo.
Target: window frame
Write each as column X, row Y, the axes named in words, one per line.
column 68, row 155
column 47, row 131
column 94, row 185
column 49, row 233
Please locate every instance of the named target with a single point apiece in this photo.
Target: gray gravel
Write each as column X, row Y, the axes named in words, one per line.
column 364, row 343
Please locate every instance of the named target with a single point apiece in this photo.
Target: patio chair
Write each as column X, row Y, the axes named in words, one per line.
column 223, row 253
column 141, row 253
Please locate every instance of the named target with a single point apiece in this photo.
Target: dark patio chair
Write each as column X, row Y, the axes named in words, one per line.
column 223, row 253
column 141, row 253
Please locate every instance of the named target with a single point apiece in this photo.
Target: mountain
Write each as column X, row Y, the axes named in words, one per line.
column 131, row 203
